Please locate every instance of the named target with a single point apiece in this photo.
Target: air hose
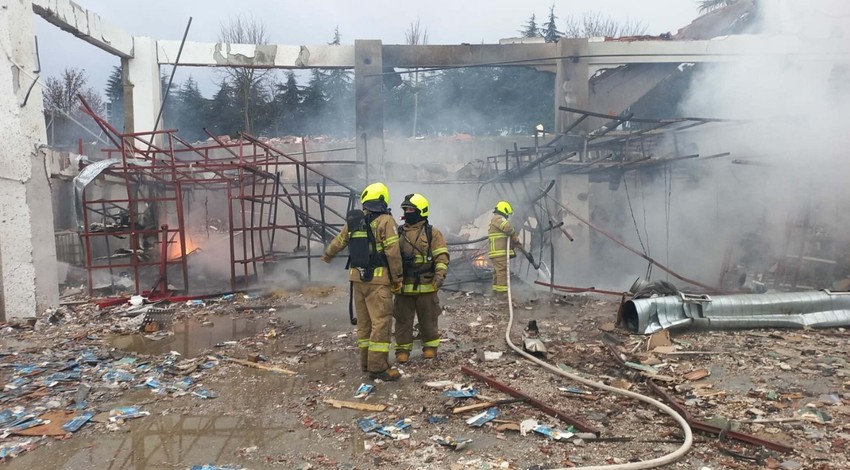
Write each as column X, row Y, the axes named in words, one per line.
column 656, row 462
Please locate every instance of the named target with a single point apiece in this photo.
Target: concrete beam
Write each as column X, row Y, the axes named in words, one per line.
column 86, row 25
column 209, row 54
column 28, row 273
column 726, row 49
column 404, row 56
column 260, row 56
column 598, row 54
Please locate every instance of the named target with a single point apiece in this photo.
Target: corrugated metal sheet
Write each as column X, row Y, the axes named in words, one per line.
column 813, row 309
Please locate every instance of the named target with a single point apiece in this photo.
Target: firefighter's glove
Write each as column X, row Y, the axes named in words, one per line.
column 438, row 281
column 326, row 259
column 396, row 288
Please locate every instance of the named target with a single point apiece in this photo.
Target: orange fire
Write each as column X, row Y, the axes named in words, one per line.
column 174, row 250
column 481, row 261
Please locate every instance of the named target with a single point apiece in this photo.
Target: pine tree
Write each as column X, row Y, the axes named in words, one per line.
column 338, row 115
column 551, row 33
column 192, row 109
column 225, row 116
column 115, row 99
column 287, row 104
column 336, row 39
column 171, row 105
column 531, row 30
column 315, row 100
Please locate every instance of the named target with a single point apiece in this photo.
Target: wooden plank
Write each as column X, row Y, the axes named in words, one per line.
column 355, row 405
column 260, row 366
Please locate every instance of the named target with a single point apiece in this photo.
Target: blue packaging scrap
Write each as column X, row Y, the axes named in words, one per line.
column 484, row 417
column 463, row 393
column 78, row 421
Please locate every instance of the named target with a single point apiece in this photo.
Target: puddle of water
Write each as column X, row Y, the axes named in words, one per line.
column 190, row 338
column 166, row 441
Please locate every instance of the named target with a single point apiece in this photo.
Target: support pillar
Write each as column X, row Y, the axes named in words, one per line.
column 142, row 86
column 571, row 88
column 574, row 258
column 369, row 118
column 27, row 243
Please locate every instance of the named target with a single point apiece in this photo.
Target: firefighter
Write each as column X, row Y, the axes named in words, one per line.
column 375, row 272
column 425, row 258
column 498, row 232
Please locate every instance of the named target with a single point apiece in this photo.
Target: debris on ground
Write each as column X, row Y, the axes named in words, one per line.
column 96, row 377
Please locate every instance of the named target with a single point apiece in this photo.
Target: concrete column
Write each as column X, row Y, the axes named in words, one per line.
column 368, row 94
column 574, row 261
column 571, row 87
column 27, row 244
column 142, row 87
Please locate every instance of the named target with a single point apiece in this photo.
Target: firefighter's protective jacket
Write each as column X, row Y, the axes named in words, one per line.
column 385, row 231
column 498, row 232
column 424, row 270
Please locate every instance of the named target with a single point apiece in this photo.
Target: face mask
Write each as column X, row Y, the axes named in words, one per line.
column 411, row 218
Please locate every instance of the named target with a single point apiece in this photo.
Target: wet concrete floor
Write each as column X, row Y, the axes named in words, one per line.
column 192, row 337
column 222, row 434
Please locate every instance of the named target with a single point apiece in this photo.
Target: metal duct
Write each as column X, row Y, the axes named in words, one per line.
column 813, row 309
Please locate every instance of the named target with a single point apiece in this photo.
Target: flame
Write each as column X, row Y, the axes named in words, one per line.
column 174, row 250
column 481, row 261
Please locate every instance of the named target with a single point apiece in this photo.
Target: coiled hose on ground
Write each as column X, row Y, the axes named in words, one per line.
column 656, row 462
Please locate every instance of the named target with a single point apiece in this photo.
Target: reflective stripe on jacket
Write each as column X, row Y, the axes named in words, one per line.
column 413, row 244
column 498, row 232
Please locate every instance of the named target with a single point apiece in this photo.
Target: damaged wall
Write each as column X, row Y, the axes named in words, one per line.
column 26, row 214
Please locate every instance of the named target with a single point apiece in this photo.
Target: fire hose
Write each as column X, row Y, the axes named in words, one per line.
column 653, row 463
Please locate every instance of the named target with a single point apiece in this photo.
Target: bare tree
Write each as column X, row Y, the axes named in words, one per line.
column 416, row 35
column 62, row 106
column 246, row 81
column 594, row 24
column 60, row 94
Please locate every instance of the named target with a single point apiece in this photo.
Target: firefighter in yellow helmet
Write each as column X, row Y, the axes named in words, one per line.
column 375, row 272
column 425, row 258
column 498, row 232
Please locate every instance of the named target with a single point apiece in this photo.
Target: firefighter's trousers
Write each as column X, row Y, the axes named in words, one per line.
column 426, row 307
column 500, row 274
column 374, row 306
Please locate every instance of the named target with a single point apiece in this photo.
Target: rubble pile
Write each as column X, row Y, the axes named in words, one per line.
column 772, row 398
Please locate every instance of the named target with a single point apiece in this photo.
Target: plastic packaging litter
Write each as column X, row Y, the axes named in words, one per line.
column 367, row 424
column 462, row 393
column 482, row 418
column 364, row 391
column 552, row 433
column 126, row 412
column 78, row 422
column 204, row 393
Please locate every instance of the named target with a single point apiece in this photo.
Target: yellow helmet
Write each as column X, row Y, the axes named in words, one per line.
column 375, row 192
column 418, row 202
column 504, row 207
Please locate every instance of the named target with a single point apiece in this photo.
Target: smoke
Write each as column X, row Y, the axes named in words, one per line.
column 784, row 175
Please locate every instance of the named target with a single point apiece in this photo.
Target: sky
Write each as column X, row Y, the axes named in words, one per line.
column 300, row 22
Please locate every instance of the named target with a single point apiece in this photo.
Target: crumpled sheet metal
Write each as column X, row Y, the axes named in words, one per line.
column 88, row 174
column 813, row 309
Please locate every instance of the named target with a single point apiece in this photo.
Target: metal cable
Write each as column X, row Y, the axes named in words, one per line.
column 653, row 463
